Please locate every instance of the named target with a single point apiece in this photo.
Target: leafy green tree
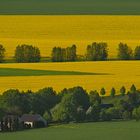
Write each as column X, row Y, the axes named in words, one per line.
column 105, row 115
column 15, row 101
column 64, row 54
column 112, row 92
column 97, row 52
column 27, row 53
column 133, row 88
column 134, row 99
column 80, row 95
column 93, row 113
column 47, row 116
column 2, row 114
column 137, row 53
column 44, row 100
column 136, row 114
column 80, row 114
column 66, row 110
column 124, row 52
column 102, row 91
column 115, row 113
column 126, row 115
column 71, row 53
column 94, row 97
column 57, row 54
column 122, row 91
column 2, row 53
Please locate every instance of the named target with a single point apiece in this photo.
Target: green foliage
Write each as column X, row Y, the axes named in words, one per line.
column 43, row 100
column 27, row 53
column 15, row 101
column 137, row 53
column 133, row 88
column 94, row 98
column 122, row 91
column 2, row 53
column 97, row 52
column 136, row 114
column 80, row 96
column 110, row 114
column 66, row 110
column 2, row 113
column 124, row 52
column 47, row 116
column 72, row 106
column 112, row 92
column 93, row 113
column 115, row 113
column 102, row 91
column 64, row 54
column 126, row 115
column 105, row 115
column 80, row 114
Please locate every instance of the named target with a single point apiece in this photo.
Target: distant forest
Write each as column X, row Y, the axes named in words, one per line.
column 68, row 7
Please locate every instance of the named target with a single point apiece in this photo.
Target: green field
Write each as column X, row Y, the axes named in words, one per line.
column 128, row 7
column 32, row 72
column 89, row 131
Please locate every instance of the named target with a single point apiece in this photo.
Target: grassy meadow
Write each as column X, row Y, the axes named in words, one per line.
column 69, row 7
column 88, row 131
column 47, row 32
column 90, row 75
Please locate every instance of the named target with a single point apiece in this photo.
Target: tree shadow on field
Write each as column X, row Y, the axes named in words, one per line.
column 5, row 72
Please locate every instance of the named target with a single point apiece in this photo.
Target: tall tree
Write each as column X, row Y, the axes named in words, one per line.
column 133, row 88
column 27, row 53
column 122, row 91
column 97, row 52
column 112, row 92
column 124, row 52
column 102, row 91
column 137, row 53
column 2, row 53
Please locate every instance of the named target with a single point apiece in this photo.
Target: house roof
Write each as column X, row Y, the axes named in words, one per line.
column 31, row 118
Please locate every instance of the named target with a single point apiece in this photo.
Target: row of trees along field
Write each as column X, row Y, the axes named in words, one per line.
column 73, row 104
column 94, row 52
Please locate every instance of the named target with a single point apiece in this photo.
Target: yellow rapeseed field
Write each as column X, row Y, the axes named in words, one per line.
column 49, row 31
column 119, row 73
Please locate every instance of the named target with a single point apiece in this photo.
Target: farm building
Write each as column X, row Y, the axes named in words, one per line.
column 33, row 121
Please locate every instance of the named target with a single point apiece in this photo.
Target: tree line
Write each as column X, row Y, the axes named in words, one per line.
column 94, row 52
column 73, row 104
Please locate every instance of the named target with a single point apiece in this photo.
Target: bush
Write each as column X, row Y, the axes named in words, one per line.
column 93, row 113
column 81, row 114
column 105, row 115
column 126, row 115
column 47, row 116
column 136, row 114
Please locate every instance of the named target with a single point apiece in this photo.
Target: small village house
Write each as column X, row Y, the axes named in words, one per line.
column 33, row 121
